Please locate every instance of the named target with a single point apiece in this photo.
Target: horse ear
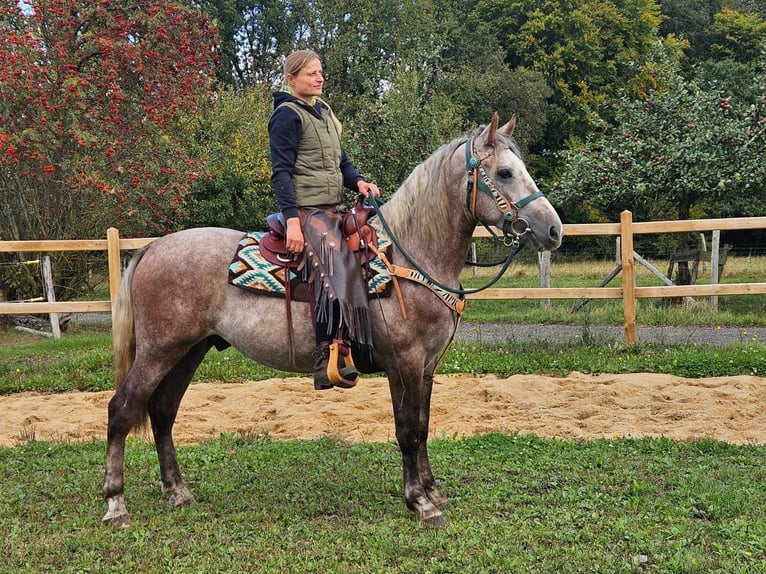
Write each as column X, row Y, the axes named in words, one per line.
column 509, row 127
column 488, row 135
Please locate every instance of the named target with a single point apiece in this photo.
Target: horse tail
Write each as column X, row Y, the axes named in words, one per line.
column 123, row 327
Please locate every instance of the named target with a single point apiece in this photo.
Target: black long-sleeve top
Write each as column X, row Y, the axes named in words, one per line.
column 285, row 133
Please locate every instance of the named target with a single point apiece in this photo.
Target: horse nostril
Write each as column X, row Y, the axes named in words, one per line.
column 555, row 234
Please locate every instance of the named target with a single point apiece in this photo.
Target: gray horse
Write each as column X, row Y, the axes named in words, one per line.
column 175, row 304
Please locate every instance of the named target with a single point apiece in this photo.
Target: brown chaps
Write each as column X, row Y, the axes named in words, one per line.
column 340, row 294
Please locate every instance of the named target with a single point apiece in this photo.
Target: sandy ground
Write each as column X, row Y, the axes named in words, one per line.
column 577, row 406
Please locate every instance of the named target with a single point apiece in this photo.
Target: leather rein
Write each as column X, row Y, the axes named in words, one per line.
column 514, row 226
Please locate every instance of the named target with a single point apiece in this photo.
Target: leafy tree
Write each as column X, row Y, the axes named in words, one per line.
column 474, row 75
column 231, row 136
column 228, row 19
column 715, row 28
column 583, row 48
column 737, row 36
column 682, row 152
column 91, row 95
column 409, row 122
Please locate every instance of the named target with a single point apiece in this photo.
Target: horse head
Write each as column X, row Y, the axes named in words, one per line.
column 501, row 193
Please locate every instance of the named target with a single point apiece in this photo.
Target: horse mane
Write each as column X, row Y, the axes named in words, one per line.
column 421, row 205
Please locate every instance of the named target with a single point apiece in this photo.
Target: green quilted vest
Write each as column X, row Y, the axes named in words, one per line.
column 317, row 177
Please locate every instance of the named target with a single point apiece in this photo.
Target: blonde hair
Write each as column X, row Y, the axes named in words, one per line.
column 294, row 63
column 297, row 60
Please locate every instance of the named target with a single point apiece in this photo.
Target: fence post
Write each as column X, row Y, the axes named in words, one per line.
column 715, row 255
column 113, row 257
column 50, row 295
column 544, row 270
column 628, row 277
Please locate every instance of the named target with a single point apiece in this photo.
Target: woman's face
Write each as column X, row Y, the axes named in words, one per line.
column 308, row 82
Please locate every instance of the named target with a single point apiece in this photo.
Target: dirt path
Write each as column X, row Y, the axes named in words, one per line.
column 578, row 406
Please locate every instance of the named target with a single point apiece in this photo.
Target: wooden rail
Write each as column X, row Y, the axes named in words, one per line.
column 626, row 229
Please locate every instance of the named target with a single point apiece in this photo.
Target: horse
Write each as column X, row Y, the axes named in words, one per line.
column 175, row 303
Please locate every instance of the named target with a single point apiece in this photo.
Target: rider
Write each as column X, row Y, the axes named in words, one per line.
column 309, row 172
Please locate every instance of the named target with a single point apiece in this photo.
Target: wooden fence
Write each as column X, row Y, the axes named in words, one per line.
column 625, row 229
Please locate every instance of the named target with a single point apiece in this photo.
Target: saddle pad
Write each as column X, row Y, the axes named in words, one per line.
column 250, row 270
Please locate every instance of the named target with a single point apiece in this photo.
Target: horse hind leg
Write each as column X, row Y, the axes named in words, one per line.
column 163, row 408
column 127, row 410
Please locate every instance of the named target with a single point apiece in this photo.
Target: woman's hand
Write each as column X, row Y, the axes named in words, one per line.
column 367, row 188
column 294, row 236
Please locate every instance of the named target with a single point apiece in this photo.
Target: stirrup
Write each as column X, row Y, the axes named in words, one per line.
column 344, row 377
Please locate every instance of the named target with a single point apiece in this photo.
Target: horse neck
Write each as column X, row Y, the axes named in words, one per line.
column 429, row 220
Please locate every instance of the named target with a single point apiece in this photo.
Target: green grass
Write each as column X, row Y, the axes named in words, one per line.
column 84, row 361
column 521, row 504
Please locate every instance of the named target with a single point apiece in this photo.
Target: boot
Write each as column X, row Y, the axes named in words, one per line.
column 326, row 368
column 321, row 356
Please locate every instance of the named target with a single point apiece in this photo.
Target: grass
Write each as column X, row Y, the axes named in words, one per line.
column 83, row 362
column 521, row 504
column 732, row 310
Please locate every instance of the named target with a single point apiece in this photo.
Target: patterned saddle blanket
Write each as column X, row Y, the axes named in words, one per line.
column 250, row 270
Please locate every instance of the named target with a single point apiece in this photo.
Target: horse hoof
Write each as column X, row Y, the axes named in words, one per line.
column 435, row 519
column 181, row 496
column 116, row 521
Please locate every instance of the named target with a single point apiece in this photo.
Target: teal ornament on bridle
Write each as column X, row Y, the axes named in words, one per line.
column 514, row 225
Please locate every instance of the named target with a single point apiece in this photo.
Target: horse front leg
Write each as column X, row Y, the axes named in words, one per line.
column 407, row 393
column 424, row 463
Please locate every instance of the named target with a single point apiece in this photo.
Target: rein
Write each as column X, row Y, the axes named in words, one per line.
column 515, row 248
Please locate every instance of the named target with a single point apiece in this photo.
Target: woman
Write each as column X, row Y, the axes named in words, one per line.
column 309, row 172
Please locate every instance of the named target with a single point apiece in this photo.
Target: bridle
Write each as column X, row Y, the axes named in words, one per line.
column 514, row 226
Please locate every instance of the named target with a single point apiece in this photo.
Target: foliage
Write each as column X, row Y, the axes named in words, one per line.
column 409, row 122
column 715, row 29
column 521, row 504
column 737, row 36
column 230, row 138
column 91, row 94
column 682, row 152
column 581, row 47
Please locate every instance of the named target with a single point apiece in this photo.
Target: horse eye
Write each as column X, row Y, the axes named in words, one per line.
column 505, row 173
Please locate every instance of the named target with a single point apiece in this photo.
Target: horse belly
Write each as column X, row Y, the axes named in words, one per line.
column 257, row 326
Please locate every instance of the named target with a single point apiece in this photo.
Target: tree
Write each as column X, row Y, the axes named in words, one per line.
column 408, row 123
column 583, row 49
column 230, row 135
column 716, row 29
column 737, row 36
column 679, row 153
column 91, row 97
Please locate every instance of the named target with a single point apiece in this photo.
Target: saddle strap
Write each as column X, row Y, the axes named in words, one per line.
column 455, row 303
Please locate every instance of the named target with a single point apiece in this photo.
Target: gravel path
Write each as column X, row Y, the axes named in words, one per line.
column 491, row 332
column 498, row 333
